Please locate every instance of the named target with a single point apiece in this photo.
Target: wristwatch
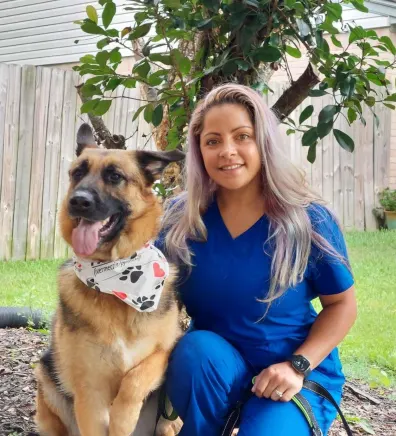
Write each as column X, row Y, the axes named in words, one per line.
column 300, row 364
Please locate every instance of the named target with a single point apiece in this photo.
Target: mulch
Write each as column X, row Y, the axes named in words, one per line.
column 372, row 411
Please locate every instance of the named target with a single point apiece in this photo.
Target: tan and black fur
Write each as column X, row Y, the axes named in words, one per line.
column 105, row 357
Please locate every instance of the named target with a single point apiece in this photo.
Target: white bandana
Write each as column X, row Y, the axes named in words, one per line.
column 137, row 280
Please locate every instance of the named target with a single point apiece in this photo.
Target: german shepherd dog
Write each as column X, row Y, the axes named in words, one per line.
column 105, row 356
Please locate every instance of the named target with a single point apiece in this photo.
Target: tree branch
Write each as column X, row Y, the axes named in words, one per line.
column 296, row 94
column 107, row 139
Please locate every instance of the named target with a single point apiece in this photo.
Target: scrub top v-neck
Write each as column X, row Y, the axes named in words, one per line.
column 230, row 276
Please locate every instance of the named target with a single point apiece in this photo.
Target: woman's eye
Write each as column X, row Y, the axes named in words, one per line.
column 211, row 142
column 244, row 136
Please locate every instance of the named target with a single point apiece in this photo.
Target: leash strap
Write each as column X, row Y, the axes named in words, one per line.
column 300, row 401
column 162, row 408
column 324, row 393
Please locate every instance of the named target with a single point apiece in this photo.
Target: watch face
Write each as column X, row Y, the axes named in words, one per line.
column 300, row 363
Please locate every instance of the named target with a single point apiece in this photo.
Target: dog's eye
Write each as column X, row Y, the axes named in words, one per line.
column 78, row 174
column 114, row 177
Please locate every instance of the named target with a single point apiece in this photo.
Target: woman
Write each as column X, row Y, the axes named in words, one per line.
column 255, row 247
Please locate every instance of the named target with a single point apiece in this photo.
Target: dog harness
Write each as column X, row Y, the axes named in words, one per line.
column 138, row 280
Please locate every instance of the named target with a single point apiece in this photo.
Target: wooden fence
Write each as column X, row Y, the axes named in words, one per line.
column 39, row 117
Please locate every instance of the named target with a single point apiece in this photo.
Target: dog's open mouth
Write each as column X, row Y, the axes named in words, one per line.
column 88, row 235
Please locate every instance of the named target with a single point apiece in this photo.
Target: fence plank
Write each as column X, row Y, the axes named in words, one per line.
column 51, row 166
column 67, row 147
column 4, row 79
column 24, row 162
column 10, row 153
column 359, row 171
column 328, row 164
column 382, row 138
column 347, row 180
column 367, row 149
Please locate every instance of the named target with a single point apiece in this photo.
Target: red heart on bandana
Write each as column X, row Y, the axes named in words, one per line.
column 120, row 295
column 158, row 271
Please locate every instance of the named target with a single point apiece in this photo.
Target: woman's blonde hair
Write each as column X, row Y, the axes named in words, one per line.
column 285, row 193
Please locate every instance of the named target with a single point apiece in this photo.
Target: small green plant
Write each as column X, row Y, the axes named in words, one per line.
column 379, row 378
column 387, row 199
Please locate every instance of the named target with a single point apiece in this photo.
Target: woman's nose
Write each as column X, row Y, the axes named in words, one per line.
column 228, row 149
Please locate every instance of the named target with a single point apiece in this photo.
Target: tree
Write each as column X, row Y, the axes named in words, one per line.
column 186, row 47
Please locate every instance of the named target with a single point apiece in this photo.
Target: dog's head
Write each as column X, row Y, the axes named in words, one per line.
column 110, row 210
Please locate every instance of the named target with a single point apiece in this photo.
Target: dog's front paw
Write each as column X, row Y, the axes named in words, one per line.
column 168, row 428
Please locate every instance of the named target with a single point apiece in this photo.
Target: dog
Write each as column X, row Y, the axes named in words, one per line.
column 109, row 349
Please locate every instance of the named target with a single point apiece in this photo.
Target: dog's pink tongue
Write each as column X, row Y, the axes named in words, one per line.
column 85, row 237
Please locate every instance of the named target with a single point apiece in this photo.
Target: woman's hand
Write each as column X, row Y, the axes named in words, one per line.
column 279, row 382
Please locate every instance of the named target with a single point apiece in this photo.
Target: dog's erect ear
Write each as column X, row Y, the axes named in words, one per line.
column 85, row 139
column 154, row 162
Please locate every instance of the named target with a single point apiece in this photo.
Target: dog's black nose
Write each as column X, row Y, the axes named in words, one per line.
column 82, row 202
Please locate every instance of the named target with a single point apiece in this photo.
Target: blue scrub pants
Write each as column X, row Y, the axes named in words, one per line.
column 207, row 376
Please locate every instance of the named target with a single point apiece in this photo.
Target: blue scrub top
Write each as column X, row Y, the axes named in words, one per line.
column 229, row 276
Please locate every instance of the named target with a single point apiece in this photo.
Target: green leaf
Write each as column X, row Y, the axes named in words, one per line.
column 108, row 13
column 181, row 62
column 334, row 10
column 243, row 65
column 88, row 59
column 113, row 83
column 374, row 79
column 357, row 33
column 92, row 28
column 140, row 31
column 102, row 57
column 290, row 3
column 205, row 24
column 389, row 44
column 115, row 56
column 359, row 6
column 140, row 17
column 290, row 132
column 352, row 116
column 137, row 113
column 390, row 106
column 173, row 4
column 163, row 58
column 88, row 90
column 158, row 114
column 311, row 156
column 142, row 68
column 293, row 51
column 391, row 97
column 89, row 105
column 327, row 26
column 336, row 42
column 102, row 43
column 148, row 113
column 317, row 93
column 306, row 113
column 230, row 68
column 344, row 140
column 327, row 113
column 102, row 107
column 92, row 14
column 113, row 33
column 370, row 101
column 310, row 137
column 129, row 83
column 324, row 129
column 94, row 80
column 267, row 53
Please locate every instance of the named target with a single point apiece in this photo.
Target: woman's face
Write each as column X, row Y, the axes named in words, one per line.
column 228, row 147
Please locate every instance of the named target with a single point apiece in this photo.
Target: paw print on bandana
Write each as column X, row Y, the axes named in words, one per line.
column 134, row 274
column 92, row 284
column 144, row 303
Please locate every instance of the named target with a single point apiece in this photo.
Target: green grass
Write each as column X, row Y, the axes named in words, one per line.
column 371, row 342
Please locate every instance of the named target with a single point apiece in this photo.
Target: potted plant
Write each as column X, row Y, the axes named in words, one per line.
column 388, row 202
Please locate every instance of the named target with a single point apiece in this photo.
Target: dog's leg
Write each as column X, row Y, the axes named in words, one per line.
column 135, row 387
column 48, row 423
column 92, row 412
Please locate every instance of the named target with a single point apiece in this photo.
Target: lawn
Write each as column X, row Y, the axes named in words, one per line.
column 370, row 344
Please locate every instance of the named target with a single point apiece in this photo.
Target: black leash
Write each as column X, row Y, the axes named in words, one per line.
column 299, row 400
